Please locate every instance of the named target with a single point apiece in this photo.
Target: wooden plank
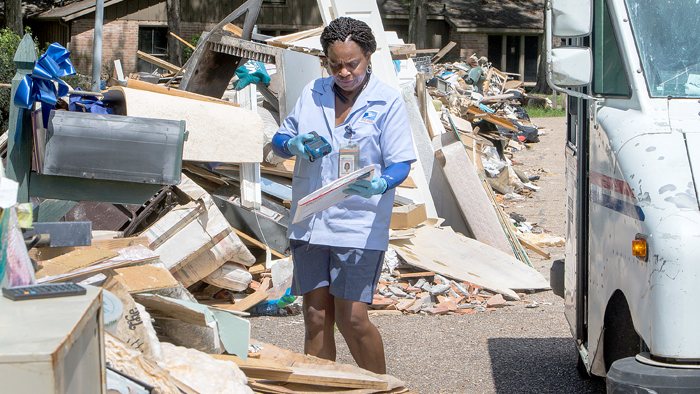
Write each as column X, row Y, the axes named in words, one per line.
column 149, row 87
column 533, row 247
column 145, row 277
column 416, row 274
column 182, row 40
column 72, row 261
column 257, row 269
column 158, row 62
column 443, row 52
column 41, row 254
column 247, row 238
column 474, row 110
column 269, row 370
column 127, row 256
column 249, row 302
column 234, row 29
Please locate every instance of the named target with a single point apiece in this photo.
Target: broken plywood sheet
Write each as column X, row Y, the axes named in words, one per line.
column 312, row 374
column 72, row 261
column 474, row 204
column 443, row 251
column 145, row 277
column 212, row 133
column 292, row 360
column 127, row 256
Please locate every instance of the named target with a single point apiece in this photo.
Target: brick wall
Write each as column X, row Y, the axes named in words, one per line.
column 119, row 41
column 469, row 43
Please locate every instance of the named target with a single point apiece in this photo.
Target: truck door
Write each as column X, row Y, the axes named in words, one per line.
column 576, row 253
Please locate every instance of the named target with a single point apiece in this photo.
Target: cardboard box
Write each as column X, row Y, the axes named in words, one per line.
column 407, row 216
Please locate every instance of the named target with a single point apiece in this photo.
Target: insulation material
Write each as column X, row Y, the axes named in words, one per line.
column 230, row 276
column 204, row 373
column 229, row 249
column 131, row 362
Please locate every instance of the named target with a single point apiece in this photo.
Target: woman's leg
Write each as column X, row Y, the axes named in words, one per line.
column 360, row 334
column 319, row 319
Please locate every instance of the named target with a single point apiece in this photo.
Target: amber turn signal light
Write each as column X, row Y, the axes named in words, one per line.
column 639, row 248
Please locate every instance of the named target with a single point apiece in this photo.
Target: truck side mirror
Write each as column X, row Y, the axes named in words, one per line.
column 571, row 66
column 572, row 18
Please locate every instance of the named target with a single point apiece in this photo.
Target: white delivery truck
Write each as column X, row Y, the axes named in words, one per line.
column 631, row 276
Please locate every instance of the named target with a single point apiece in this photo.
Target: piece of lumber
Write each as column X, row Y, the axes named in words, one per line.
column 149, row 87
column 182, row 40
column 45, row 253
column 158, row 62
column 416, row 274
column 145, row 277
column 247, row 238
column 257, row 269
column 443, row 52
column 72, row 261
column 533, row 247
column 474, row 110
column 127, row 256
column 230, row 27
column 249, row 302
column 416, row 51
column 269, row 370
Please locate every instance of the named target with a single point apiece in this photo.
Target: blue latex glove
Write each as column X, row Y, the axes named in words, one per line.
column 296, row 145
column 367, row 189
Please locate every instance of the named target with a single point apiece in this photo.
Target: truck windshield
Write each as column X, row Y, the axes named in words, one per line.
column 666, row 32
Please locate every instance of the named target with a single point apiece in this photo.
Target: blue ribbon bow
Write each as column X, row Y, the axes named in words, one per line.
column 39, row 85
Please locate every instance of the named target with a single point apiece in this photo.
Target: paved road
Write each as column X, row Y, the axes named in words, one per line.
column 506, row 351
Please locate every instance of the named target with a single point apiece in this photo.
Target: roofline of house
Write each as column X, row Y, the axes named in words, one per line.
column 78, row 13
column 498, row 30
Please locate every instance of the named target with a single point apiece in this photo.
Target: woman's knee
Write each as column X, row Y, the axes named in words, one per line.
column 352, row 320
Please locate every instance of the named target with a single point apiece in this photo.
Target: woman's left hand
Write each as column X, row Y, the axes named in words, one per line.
column 366, row 188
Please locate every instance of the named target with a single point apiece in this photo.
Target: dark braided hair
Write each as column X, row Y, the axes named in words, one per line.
column 343, row 28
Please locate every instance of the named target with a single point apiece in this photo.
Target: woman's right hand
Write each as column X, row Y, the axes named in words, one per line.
column 296, row 145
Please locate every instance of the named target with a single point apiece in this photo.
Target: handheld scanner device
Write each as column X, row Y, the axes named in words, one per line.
column 318, row 147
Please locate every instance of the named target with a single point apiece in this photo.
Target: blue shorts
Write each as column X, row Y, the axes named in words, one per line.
column 350, row 273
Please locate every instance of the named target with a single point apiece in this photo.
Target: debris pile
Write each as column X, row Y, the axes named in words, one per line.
column 185, row 250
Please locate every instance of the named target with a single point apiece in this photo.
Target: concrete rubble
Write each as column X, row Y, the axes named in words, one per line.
column 213, row 253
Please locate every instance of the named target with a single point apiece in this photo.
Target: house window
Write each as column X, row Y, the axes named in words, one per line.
column 153, row 40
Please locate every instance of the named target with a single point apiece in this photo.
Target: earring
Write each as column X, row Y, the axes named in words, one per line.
column 369, row 69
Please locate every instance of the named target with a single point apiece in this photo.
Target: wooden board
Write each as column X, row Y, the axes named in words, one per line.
column 269, row 370
column 447, row 253
column 472, row 199
column 41, row 254
column 158, row 62
column 474, row 110
column 127, row 256
column 252, row 241
column 149, row 87
column 249, row 302
column 145, row 277
column 72, row 261
column 211, row 132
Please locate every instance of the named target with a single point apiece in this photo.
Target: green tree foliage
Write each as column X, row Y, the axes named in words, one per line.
column 8, row 46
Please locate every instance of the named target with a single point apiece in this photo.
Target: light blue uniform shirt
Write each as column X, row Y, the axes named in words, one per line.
column 380, row 123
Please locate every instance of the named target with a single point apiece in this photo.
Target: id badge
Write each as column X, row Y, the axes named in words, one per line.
column 349, row 159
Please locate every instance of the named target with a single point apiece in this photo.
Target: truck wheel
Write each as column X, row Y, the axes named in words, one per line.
column 620, row 340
